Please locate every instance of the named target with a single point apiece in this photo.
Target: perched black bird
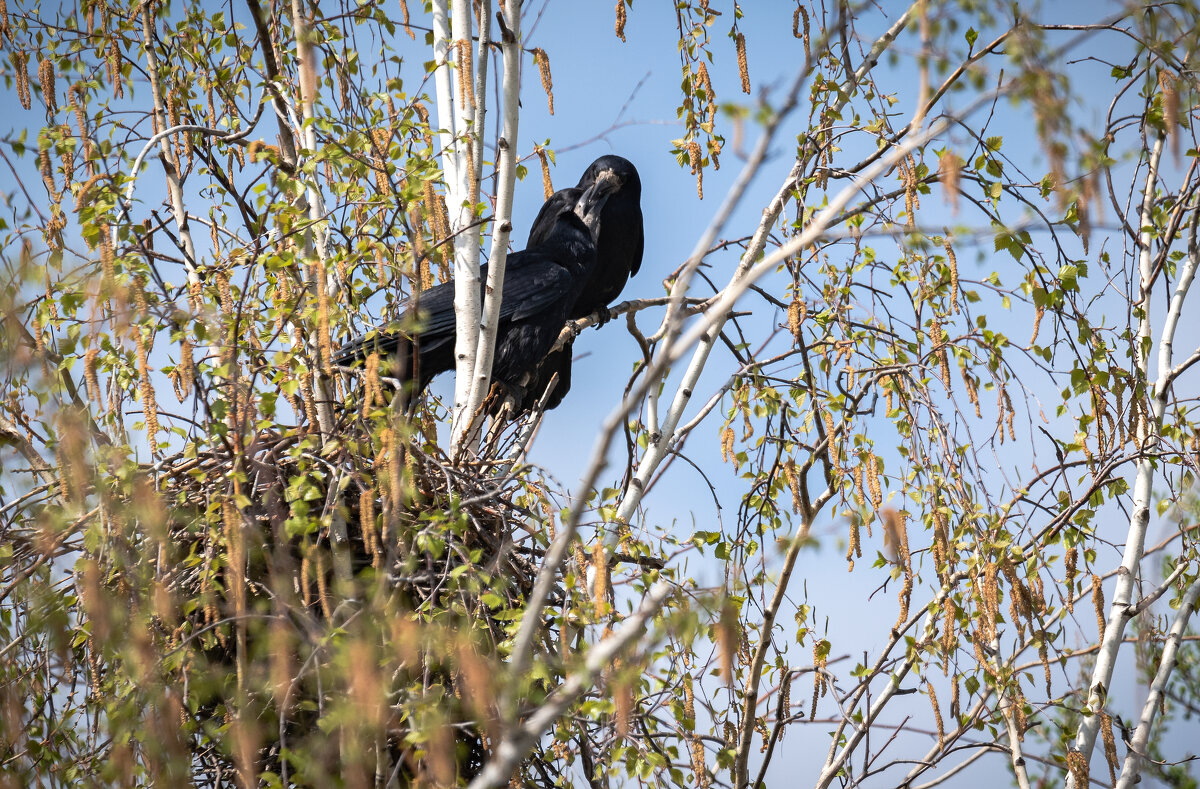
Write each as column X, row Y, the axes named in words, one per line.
column 619, row 238
column 541, row 284
column 617, row 229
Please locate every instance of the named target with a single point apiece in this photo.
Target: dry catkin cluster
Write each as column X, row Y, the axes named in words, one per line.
column 743, row 67
column 46, row 82
column 20, row 61
column 544, row 161
column 800, row 28
column 543, row 65
column 695, row 159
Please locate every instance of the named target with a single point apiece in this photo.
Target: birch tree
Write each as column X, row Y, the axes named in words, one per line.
column 939, row 386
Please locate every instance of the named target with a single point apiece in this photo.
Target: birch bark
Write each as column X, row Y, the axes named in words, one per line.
column 506, row 167
column 1148, row 431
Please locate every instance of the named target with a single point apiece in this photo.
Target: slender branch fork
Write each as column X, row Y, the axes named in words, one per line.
column 1121, row 610
column 520, row 738
column 506, row 163
column 1130, row 771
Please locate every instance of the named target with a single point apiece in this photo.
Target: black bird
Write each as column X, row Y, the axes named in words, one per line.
column 617, row 230
column 619, row 238
column 541, row 284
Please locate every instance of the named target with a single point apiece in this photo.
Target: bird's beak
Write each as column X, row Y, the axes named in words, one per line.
column 592, row 201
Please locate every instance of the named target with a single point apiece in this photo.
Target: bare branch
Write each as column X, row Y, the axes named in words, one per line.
column 518, row 740
column 1131, row 770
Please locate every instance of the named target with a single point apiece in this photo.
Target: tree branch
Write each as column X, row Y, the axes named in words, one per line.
column 1131, row 770
column 1148, row 432
column 506, row 166
column 518, row 741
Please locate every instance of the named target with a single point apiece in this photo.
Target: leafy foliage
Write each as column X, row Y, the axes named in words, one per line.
column 226, row 561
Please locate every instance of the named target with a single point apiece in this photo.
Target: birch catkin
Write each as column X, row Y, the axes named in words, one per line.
column 949, row 640
column 1069, row 562
column 46, row 81
column 854, row 547
column 372, row 386
column 149, row 406
column 46, row 168
column 696, row 161
column 937, row 714
column 184, row 371
column 466, row 90
column 952, row 262
column 950, row 169
column 91, row 380
column 114, row 68
column 405, row 19
column 831, row 436
column 800, row 28
column 873, row 485
column 743, row 67
column 793, row 481
column 727, row 640
column 1077, row 765
column 544, row 160
column 600, row 582
column 797, row 312
column 542, row 60
column 20, row 61
column 1110, row 745
column 1170, row 108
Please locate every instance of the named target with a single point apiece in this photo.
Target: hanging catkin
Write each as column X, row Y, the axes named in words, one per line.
column 743, row 67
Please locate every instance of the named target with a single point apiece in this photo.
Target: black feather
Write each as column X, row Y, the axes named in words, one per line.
column 620, row 242
column 540, row 285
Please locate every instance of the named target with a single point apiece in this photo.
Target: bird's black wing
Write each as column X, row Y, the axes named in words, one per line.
column 435, row 309
column 637, row 244
column 532, row 281
column 563, row 200
column 433, row 322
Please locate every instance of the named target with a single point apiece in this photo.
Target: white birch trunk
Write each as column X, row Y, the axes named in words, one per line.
column 1120, row 611
column 1131, row 770
column 457, row 116
column 315, row 240
column 506, row 167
